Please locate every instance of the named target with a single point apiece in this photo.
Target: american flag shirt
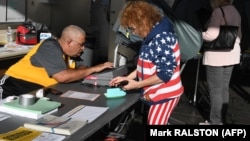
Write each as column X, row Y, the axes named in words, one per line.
column 160, row 55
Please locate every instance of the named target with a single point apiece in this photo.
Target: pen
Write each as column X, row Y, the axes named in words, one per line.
column 73, row 111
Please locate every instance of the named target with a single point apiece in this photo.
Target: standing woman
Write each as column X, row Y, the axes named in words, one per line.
column 219, row 64
column 158, row 67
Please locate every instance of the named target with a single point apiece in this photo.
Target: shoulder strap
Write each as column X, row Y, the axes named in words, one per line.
column 223, row 15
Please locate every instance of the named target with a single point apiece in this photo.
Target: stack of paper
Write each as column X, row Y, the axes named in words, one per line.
column 40, row 108
column 55, row 124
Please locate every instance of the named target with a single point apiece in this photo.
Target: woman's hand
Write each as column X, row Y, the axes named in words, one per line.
column 115, row 81
column 132, row 84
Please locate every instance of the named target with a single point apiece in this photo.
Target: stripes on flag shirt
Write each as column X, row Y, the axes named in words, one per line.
column 160, row 55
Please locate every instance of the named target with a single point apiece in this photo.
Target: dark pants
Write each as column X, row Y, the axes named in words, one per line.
column 13, row 86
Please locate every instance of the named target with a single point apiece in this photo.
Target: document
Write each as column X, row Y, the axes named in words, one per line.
column 80, row 95
column 89, row 113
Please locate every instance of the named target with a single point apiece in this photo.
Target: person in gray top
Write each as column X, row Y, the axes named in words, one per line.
column 49, row 62
column 219, row 64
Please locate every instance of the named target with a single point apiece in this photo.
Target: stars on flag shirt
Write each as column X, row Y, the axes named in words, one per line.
column 160, row 55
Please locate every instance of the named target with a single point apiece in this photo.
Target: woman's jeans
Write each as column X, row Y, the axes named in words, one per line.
column 218, row 79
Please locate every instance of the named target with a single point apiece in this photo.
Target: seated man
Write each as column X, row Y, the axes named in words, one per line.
column 49, row 62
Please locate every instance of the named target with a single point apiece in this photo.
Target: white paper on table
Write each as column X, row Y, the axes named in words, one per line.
column 89, row 113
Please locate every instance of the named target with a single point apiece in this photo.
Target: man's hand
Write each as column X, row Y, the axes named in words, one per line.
column 103, row 66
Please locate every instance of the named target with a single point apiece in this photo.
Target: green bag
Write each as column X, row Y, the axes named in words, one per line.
column 190, row 40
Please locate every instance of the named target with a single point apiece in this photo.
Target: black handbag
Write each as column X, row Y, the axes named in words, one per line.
column 225, row 40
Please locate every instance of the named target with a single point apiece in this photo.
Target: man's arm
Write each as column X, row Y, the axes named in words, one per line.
column 71, row 75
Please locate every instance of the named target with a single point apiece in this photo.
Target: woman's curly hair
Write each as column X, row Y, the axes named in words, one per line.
column 140, row 13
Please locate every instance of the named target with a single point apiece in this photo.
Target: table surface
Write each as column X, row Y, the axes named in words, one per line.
column 13, row 50
column 116, row 107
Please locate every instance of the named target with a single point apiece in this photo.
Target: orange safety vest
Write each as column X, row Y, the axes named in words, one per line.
column 24, row 70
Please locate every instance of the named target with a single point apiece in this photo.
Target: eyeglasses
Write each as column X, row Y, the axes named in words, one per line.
column 79, row 44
